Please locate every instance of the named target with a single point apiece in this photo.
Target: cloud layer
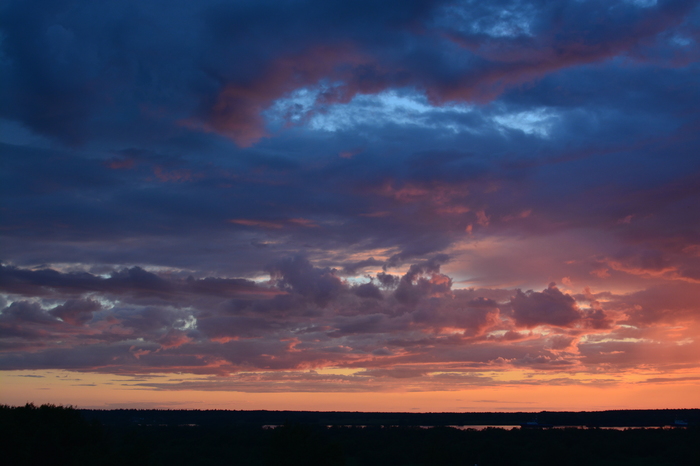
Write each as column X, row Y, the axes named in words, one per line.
column 308, row 318
column 360, row 196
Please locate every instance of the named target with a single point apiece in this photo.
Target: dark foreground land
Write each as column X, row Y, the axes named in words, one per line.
column 57, row 435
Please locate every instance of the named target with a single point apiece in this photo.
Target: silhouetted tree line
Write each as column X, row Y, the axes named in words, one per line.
column 56, row 435
column 617, row 418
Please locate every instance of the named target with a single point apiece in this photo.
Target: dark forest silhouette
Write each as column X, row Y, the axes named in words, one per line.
column 57, row 435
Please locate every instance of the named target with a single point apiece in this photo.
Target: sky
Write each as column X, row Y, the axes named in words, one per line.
column 350, row 205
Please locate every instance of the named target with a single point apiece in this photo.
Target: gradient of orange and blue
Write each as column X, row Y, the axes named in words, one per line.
column 350, row 205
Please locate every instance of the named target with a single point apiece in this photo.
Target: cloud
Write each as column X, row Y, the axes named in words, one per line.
column 312, row 319
column 368, row 290
column 298, row 275
column 26, row 312
column 413, row 287
column 355, row 267
column 315, row 319
column 76, row 312
column 662, row 303
column 173, row 199
column 550, row 306
column 61, row 82
column 134, row 280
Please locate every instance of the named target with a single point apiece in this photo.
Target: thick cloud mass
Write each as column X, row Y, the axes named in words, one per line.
column 258, row 190
column 550, row 306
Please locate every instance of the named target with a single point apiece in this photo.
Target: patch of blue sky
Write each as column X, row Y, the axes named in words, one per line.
column 408, row 108
column 293, row 107
column 360, row 279
column 537, row 122
column 393, row 107
column 681, row 41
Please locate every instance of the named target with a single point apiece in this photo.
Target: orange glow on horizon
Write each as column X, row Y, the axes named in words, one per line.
column 103, row 391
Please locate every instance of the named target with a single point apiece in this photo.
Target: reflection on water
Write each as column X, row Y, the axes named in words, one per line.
column 555, row 427
column 482, row 427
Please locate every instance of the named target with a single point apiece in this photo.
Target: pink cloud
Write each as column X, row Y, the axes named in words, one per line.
column 120, row 164
column 174, row 338
column 238, row 107
column 172, row 176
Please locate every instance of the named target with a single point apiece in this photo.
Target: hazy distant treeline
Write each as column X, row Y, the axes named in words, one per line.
column 55, row 435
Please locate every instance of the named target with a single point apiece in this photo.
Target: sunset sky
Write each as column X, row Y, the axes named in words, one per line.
column 350, row 205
